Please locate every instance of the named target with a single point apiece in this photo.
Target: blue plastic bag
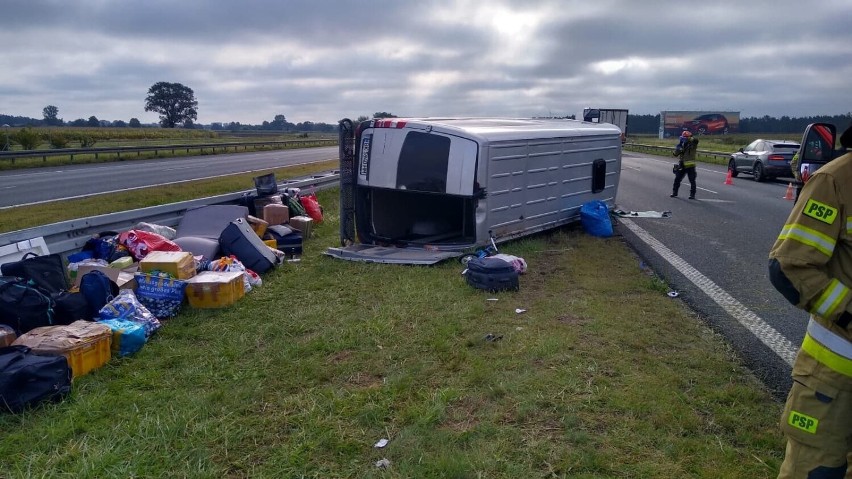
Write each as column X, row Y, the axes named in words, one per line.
column 594, row 215
column 127, row 336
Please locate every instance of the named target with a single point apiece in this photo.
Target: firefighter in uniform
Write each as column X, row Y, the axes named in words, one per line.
column 811, row 265
column 685, row 150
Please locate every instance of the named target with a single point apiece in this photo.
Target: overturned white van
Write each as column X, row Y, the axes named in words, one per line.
column 421, row 190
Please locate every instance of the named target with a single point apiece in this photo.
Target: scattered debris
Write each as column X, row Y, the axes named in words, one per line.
column 642, row 214
column 382, row 443
column 490, row 337
column 519, row 311
column 519, row 328
column 383, row 463
column 673, row 294
column 492, row 299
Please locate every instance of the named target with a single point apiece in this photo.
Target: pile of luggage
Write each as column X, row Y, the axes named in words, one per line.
column 60, row 321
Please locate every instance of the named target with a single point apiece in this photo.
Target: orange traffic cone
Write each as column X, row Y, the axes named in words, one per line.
column 730, row 179
column 789, row 194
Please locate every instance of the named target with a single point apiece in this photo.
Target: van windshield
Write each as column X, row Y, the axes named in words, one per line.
column 423, row 163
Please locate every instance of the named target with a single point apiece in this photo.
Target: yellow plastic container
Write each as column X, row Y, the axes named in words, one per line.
column 215, row 289
column 179, row 264
column 85, row 344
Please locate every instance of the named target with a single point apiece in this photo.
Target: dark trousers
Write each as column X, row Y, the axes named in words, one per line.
column 689, row 173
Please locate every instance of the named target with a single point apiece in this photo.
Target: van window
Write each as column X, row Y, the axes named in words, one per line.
column 423, row 163
column 598, row 175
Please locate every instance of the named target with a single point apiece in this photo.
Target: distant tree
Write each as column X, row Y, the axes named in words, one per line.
column 119, row 124
column 134, row 123
column 174, row 102
column 279, row 122
column 93, row 121
column 216, row 126
column 361, row 118
column 384, row 114
column 51, row 116
column 188, row 124
column 235, row 126
column 78, row 122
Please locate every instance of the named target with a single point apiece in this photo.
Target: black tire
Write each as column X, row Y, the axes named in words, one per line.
column 758, row 173
column 733, row 169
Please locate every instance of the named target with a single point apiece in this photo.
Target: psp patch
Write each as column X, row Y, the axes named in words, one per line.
column 820, row 211
column 803, row 421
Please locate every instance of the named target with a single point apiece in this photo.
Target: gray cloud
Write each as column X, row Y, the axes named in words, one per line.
column 323, row 60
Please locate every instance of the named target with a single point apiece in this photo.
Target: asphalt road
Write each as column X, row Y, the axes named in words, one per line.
column 713, row 252
column 20, row 187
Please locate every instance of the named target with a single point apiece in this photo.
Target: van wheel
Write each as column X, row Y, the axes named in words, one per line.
column 758, row 172
column 732, row 167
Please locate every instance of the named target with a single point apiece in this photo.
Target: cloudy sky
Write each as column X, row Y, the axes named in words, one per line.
column 320, row 61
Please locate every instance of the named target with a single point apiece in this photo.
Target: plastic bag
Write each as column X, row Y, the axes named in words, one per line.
column 312, row 207
column 517, row 262
column 161, row 294
column 128, row 337
column 140, row 243
column 231, row 263
column 594, row 215
column 125, row 306
column 162, row 230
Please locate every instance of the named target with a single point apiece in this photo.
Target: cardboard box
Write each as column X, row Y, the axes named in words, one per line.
column 215, row 289
column 179, row 264
column 276, row 214
column 305, row 224
column 85, row 344
column 258, row 225
column 124, row 279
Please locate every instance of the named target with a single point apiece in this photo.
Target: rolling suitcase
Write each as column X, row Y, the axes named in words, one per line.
column 491, row 274
column 240, row 240
column 290, row 244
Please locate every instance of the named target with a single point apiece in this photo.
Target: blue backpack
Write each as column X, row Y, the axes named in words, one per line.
column 98, row 290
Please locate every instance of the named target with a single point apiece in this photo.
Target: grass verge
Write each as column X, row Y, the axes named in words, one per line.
column 601, row 376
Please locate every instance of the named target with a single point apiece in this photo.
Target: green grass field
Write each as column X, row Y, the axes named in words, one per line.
column 602, row 376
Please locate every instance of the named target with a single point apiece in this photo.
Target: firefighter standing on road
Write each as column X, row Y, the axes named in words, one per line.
column 685, row 150
column 811, row 265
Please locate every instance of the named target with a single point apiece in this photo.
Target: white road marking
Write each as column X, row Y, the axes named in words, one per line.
column 713, row 200
column 709, row 191
column 752, row 322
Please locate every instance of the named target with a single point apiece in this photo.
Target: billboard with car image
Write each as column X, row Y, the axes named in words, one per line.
column 672, row 123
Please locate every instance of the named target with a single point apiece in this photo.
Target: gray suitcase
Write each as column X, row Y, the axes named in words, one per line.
column 240, row 240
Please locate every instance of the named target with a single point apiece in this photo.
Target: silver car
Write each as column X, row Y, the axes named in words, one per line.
column 764, row 159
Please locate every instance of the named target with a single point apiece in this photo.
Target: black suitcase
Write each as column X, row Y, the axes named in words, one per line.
column 240, row 240
column 27, row 379
column 491, row 274
column 290, row 244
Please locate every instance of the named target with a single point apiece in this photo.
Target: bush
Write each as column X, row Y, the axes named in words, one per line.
column 27, row 138
column 87, row 142
column 58, row 141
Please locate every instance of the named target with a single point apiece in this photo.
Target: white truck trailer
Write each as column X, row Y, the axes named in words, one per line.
column 616, row 117
column 421, row 190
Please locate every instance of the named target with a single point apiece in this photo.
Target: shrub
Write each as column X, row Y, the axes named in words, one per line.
column 87, row 142
column 27, row 138
column 58, row 141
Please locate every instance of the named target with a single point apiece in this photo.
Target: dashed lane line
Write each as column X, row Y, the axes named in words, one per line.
column 752, row 322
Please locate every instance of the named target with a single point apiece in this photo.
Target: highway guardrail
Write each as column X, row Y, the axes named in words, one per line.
column 68, row 237
column 668, row 150
column 138, row 150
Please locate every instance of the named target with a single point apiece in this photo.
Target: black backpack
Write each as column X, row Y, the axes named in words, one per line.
column 27, row 379
column 23, row 306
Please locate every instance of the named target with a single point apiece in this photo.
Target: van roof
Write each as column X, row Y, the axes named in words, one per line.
column 504, row 128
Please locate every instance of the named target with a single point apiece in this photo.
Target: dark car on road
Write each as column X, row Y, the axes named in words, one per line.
column 709, row 124
column 764, row 159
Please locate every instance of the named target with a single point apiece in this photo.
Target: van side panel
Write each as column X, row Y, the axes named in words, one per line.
column 538, row 184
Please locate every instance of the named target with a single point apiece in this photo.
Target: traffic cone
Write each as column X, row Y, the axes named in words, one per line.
column 730, row 178
column 789, row 194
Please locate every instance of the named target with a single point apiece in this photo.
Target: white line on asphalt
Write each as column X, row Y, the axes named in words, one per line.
column 764, row 332
column 710, row 191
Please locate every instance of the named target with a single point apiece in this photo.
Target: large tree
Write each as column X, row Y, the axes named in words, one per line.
column 174, row 102
column 51, row 115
